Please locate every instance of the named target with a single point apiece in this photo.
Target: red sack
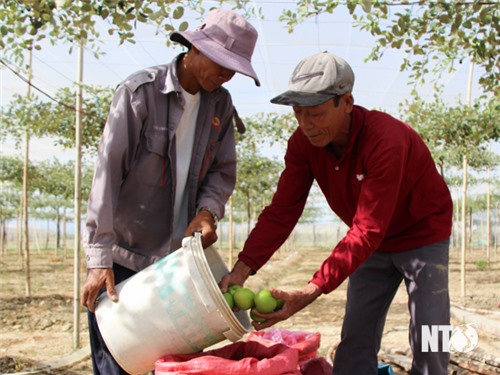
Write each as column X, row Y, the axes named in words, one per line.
column 316, row 366
column 240, row 358
column 307, row 343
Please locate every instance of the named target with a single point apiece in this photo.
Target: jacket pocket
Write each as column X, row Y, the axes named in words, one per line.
column 152, row 167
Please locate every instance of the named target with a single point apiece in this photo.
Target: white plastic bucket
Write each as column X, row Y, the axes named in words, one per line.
column 172, row 307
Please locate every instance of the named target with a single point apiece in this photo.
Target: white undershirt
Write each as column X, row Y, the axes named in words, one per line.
column 184, row 146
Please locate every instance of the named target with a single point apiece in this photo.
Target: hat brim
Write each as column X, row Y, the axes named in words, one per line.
column 302, row 99
column 215, row 52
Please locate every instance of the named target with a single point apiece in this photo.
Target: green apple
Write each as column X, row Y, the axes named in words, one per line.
column 265, row 302
column 233, row 288
column 279, row 304
column 256, row 318
column 243, row 298
column 229, row 299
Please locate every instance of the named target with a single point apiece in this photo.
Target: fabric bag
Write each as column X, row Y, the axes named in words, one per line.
column 316, row 366
column 307, row 343
column 239, row 358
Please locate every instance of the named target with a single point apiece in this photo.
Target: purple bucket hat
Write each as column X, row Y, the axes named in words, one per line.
column 226, row 38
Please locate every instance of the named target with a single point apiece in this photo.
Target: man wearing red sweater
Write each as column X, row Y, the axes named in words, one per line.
column 379, row 177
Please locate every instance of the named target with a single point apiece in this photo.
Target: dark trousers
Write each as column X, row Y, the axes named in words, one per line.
column 370, row 292
column 103, row 362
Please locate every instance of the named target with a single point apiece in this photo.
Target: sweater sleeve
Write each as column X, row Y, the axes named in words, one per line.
column 277, row 220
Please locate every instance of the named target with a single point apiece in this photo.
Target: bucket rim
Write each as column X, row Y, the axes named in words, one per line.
column 236, row 328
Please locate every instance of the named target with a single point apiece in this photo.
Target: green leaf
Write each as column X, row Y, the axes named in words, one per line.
column 351, row 5
column 178, row 13
column 366, row 5
column 456, row 24
column 444, row 18
column 397, row 44
column 402, row 23
column 86, row 7
column 183, row 26
column 396, row 30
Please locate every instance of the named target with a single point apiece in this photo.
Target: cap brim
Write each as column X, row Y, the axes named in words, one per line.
column 301, row 98
column 216, row 53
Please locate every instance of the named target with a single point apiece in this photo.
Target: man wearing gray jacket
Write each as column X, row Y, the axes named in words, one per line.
column 167, row 161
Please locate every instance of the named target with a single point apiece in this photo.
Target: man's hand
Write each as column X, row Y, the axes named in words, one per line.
column 205, row 224
column 237, row 276
column 98, row 278
column 294, row 301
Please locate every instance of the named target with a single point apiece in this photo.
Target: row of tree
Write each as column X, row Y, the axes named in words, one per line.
column 450, row 132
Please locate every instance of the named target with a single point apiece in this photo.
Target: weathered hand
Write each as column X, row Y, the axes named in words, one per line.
column 98, row 278
column 237, row 276
column 294, row 301
column 203, row 223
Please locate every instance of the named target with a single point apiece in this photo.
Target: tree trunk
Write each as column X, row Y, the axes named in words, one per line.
column 25, row 190
column 488, row 214
column 470, row 230
column 495, row 238
column 19, row 232
column 249, row 216
column 78, row 199
column 47, row 236
column 230, row 232
column 26, row 218
column 457, row 221
column 37, row 242
column 464, row 216
column 464, row 192
column 4, row 236
column 242, row 231
column 58, row 230
column 65, row 248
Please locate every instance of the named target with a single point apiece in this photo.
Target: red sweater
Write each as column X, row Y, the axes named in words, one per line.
column 385, row 187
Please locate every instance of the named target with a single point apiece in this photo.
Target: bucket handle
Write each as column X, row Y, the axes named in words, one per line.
column 196, row 235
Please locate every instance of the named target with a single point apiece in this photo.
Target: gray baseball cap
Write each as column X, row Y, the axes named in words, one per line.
column 226, row 38
column 316, row 79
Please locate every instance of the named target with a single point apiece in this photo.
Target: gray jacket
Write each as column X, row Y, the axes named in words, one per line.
column 129, row 218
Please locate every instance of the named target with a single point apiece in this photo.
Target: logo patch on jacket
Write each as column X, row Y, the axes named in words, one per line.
column 360, row 177
column 216, row 123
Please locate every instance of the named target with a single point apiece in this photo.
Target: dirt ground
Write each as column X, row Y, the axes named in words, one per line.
column 40, row 328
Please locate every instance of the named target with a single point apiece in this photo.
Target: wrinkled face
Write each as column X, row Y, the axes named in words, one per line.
column 209, row 74
column 325, row 123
